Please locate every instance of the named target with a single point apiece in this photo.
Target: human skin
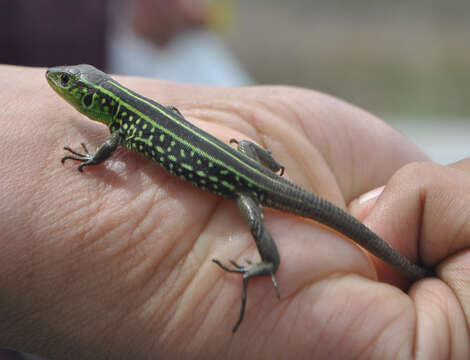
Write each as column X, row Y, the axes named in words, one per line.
column 115, row 262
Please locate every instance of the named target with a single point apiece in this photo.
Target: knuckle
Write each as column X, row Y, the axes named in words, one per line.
column 417, row 170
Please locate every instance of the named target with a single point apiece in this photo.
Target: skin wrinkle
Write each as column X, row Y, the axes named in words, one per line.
column 43, row 210
column 422, row 195
column 251, row 126
column 166, row 318
column 414, row 348
column 233, row 117
column 241, row 117
column 164, row 322
column 437, row 304
column 352, row 324
column 458, row 300
column 211, row 117
column 449, row 327
column 232, row 341
column 325, row 145
column 452, row 237
column 311, row 180
column 99, row 204
column 424, row 208
column 260, row 304
column 449, row 332
column 45, row 172
column 198, row 342
column 356, row 165
column 281, row 315
column 170, row 246
column 264, row 343
column 273, row 109
column 154, row 275
column 217, row 289
column 138, row 266
column 355, row 162
column 129, row 244
column 383, row 330
column 34, row 200
column 252, row 342
column 92, row 242
column 310, row 327
column 144, row 235
column 86, row 232
column 463, row 228
column 462, row 308
column 325, row 324
column 171, row 249
column 183, row 261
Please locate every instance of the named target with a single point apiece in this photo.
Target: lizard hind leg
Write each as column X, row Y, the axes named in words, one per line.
column 252, row 212
column 175, row 110
column 259, row 154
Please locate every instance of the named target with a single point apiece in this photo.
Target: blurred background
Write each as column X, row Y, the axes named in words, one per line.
column 405, row 61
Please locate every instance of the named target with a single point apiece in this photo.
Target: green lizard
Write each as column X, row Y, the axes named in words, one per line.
column 247, row 175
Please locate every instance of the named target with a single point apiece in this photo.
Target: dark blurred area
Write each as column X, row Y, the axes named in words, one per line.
column 50, row 32
column 13, row 355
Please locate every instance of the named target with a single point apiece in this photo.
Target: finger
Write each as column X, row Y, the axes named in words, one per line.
column 462, row 164
column 424, row 212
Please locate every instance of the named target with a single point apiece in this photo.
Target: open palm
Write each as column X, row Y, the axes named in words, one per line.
column 115, row 262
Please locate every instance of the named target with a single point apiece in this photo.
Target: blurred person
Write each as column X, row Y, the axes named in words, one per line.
column 160, row 20
column 174, row 40
column 57, row 32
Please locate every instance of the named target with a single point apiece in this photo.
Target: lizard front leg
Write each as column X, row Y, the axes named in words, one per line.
column 106, row 149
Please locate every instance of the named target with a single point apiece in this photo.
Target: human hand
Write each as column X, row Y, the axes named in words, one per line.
column 428, row 204
column 115, row 262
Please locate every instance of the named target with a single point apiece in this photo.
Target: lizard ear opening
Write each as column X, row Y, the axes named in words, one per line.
column 88, row 100
column 64, row 80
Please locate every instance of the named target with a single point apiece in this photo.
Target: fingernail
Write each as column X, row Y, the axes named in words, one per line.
column 371, row 195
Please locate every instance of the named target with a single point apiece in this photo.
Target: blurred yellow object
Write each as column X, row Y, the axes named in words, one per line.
column 221, row 14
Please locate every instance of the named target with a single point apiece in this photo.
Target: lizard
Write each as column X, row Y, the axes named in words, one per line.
column 248, row 174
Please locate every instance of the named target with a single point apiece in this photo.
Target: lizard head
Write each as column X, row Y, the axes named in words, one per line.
column 80, row 86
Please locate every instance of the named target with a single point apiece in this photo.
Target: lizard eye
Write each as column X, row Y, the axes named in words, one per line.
column 64, row 79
